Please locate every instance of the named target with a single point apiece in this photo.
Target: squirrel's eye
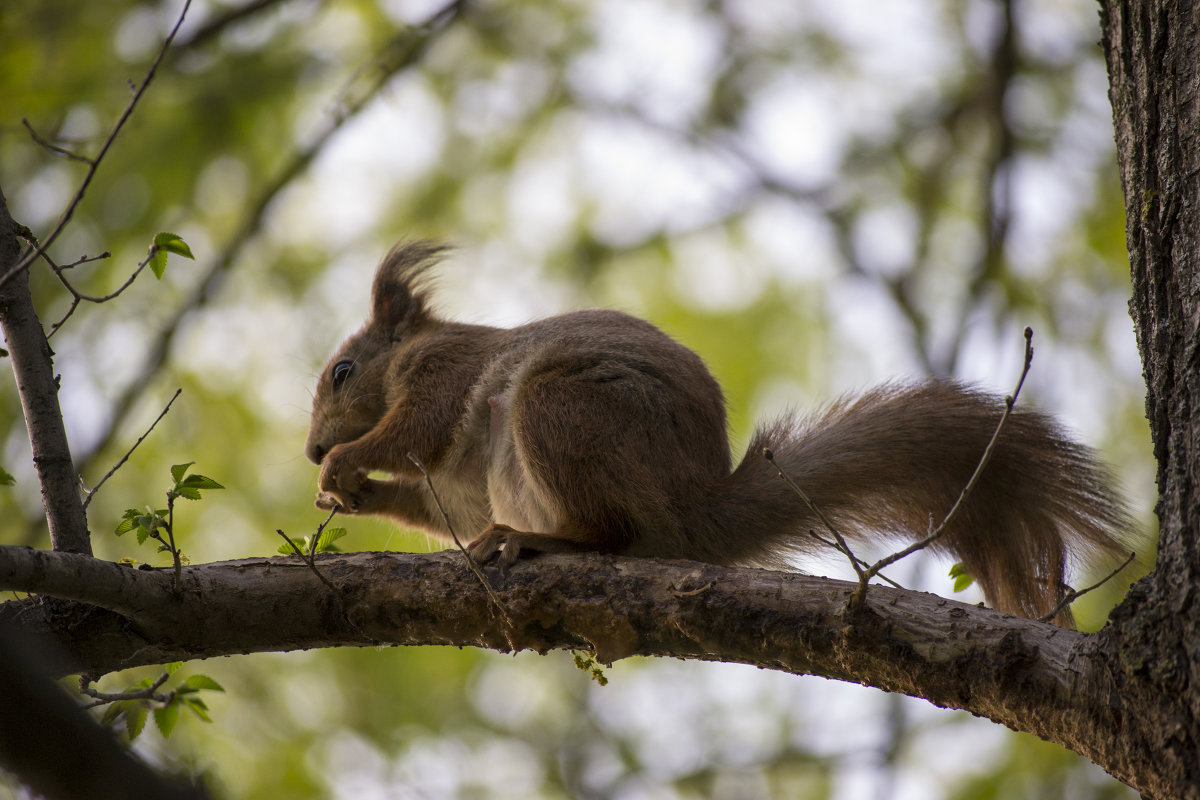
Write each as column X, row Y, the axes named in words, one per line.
column 341, row 371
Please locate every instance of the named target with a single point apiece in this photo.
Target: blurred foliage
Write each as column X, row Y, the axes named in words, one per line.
column 814, row 196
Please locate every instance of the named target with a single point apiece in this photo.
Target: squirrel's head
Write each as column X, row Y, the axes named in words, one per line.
column 351, row 394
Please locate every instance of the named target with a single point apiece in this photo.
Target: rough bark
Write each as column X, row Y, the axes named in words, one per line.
column 38, row 388
column 1028, row 675
column 1153, row 54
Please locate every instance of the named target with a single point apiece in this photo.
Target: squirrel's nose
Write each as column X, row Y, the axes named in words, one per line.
column 315, row 452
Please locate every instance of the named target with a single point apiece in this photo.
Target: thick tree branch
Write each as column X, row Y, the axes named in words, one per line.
column 56, row 749
column 38, row 387
column 1152, row 49
column 1028, row 675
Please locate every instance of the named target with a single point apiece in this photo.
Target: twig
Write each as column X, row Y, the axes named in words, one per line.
column 171, row 544
column 769, row 455
column 103, row 698
column 403, row 51
column 311, row 559
column 89, row 494
column 840, row 545
column 77, row 297
column 315, row 542
column 1074, row 594
column 62, row 151
column 860, row 594
column 859, row 561
column 474, row 566
column 94, row 164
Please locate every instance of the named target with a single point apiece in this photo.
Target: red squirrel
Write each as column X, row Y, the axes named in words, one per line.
column 595, row 431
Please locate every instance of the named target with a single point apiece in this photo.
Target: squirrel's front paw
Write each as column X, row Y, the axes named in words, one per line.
column 341, row 483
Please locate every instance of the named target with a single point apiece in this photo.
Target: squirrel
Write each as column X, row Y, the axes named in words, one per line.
column 595, row 431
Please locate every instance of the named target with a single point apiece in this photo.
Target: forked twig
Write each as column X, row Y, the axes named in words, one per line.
column 100, row 698
column 840, row 544
column 1074, row 594
column 474, row 565
column 310, row 557
column 860, row 594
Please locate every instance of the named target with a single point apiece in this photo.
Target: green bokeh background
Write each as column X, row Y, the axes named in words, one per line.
column 813, row 197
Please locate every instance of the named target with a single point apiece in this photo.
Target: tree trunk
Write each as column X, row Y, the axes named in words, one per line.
column 1153, row 54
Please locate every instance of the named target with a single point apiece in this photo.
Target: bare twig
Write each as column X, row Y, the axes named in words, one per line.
column 310, row 558
column 314, row 545
column 840, row 544
column 53, row 148
column 401, row 52
column 88, row 494
column 38, row 250
column 471, row 563
column 820, row 515
column 1074, row 594
column 103, row 698
column 77, row 297
column 860, row 594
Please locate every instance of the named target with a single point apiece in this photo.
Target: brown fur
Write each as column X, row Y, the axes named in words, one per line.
column 593, row 430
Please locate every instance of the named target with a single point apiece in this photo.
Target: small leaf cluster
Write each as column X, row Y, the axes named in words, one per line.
column 148, row 522
column 962, row 578
column 587, row 662
column 166, row 708
column 166, row 243
column 326, row 544
column 189, row 486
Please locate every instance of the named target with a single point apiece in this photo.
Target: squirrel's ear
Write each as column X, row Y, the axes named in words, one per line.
column 399, row 294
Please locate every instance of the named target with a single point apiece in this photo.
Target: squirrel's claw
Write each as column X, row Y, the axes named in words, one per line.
column 496, row 540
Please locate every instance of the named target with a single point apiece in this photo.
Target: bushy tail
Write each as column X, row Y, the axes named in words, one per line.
column 881, row 464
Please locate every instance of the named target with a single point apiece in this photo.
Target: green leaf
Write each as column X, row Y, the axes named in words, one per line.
column 158, row 262
column 188, row 493
column 328, row 537
column 179, row 470
column 166, row 717
column 127, row 523
column 199, row 682
column 198, row 707
column 112, row 713
column 200, row 482
column 962, row 578
column 173, row 244
column 166, row 243
column 6, row 478
column 171, row 668
column 135, row 718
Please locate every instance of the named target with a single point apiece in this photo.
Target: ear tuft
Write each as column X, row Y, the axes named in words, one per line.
column 400, row 292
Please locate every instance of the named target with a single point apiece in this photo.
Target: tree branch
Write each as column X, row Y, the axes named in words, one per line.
column 1025, row 674
column 37, row 385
